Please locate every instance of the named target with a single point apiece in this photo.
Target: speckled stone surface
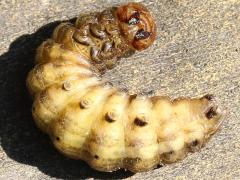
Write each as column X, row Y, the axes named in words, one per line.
column 197, row 52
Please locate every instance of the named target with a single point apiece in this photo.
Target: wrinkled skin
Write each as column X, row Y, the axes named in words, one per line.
column 91, row 120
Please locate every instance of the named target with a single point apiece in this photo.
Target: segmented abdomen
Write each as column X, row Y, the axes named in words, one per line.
column 89, row 119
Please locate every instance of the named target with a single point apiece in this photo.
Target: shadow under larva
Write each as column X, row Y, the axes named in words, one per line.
column 92, row 120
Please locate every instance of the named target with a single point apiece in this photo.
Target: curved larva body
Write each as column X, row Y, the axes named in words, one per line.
column 91, row 120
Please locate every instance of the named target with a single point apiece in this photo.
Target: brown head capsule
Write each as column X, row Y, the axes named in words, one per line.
column 137, row 25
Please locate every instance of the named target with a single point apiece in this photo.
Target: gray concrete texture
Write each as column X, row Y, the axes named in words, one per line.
column 197, row 52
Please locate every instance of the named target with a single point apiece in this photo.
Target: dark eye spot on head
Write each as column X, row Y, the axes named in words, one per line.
column 141, row 34
column 57, row 138
column 134, row 19
column 140, row 122
column 211, row 113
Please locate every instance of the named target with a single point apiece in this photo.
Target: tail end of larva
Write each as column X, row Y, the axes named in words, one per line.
column 190, row 124
column 215, row 112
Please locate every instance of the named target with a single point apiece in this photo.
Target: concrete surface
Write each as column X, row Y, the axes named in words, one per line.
column 197, row 52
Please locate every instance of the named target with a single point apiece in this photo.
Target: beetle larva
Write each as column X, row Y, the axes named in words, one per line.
column 89, row 119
